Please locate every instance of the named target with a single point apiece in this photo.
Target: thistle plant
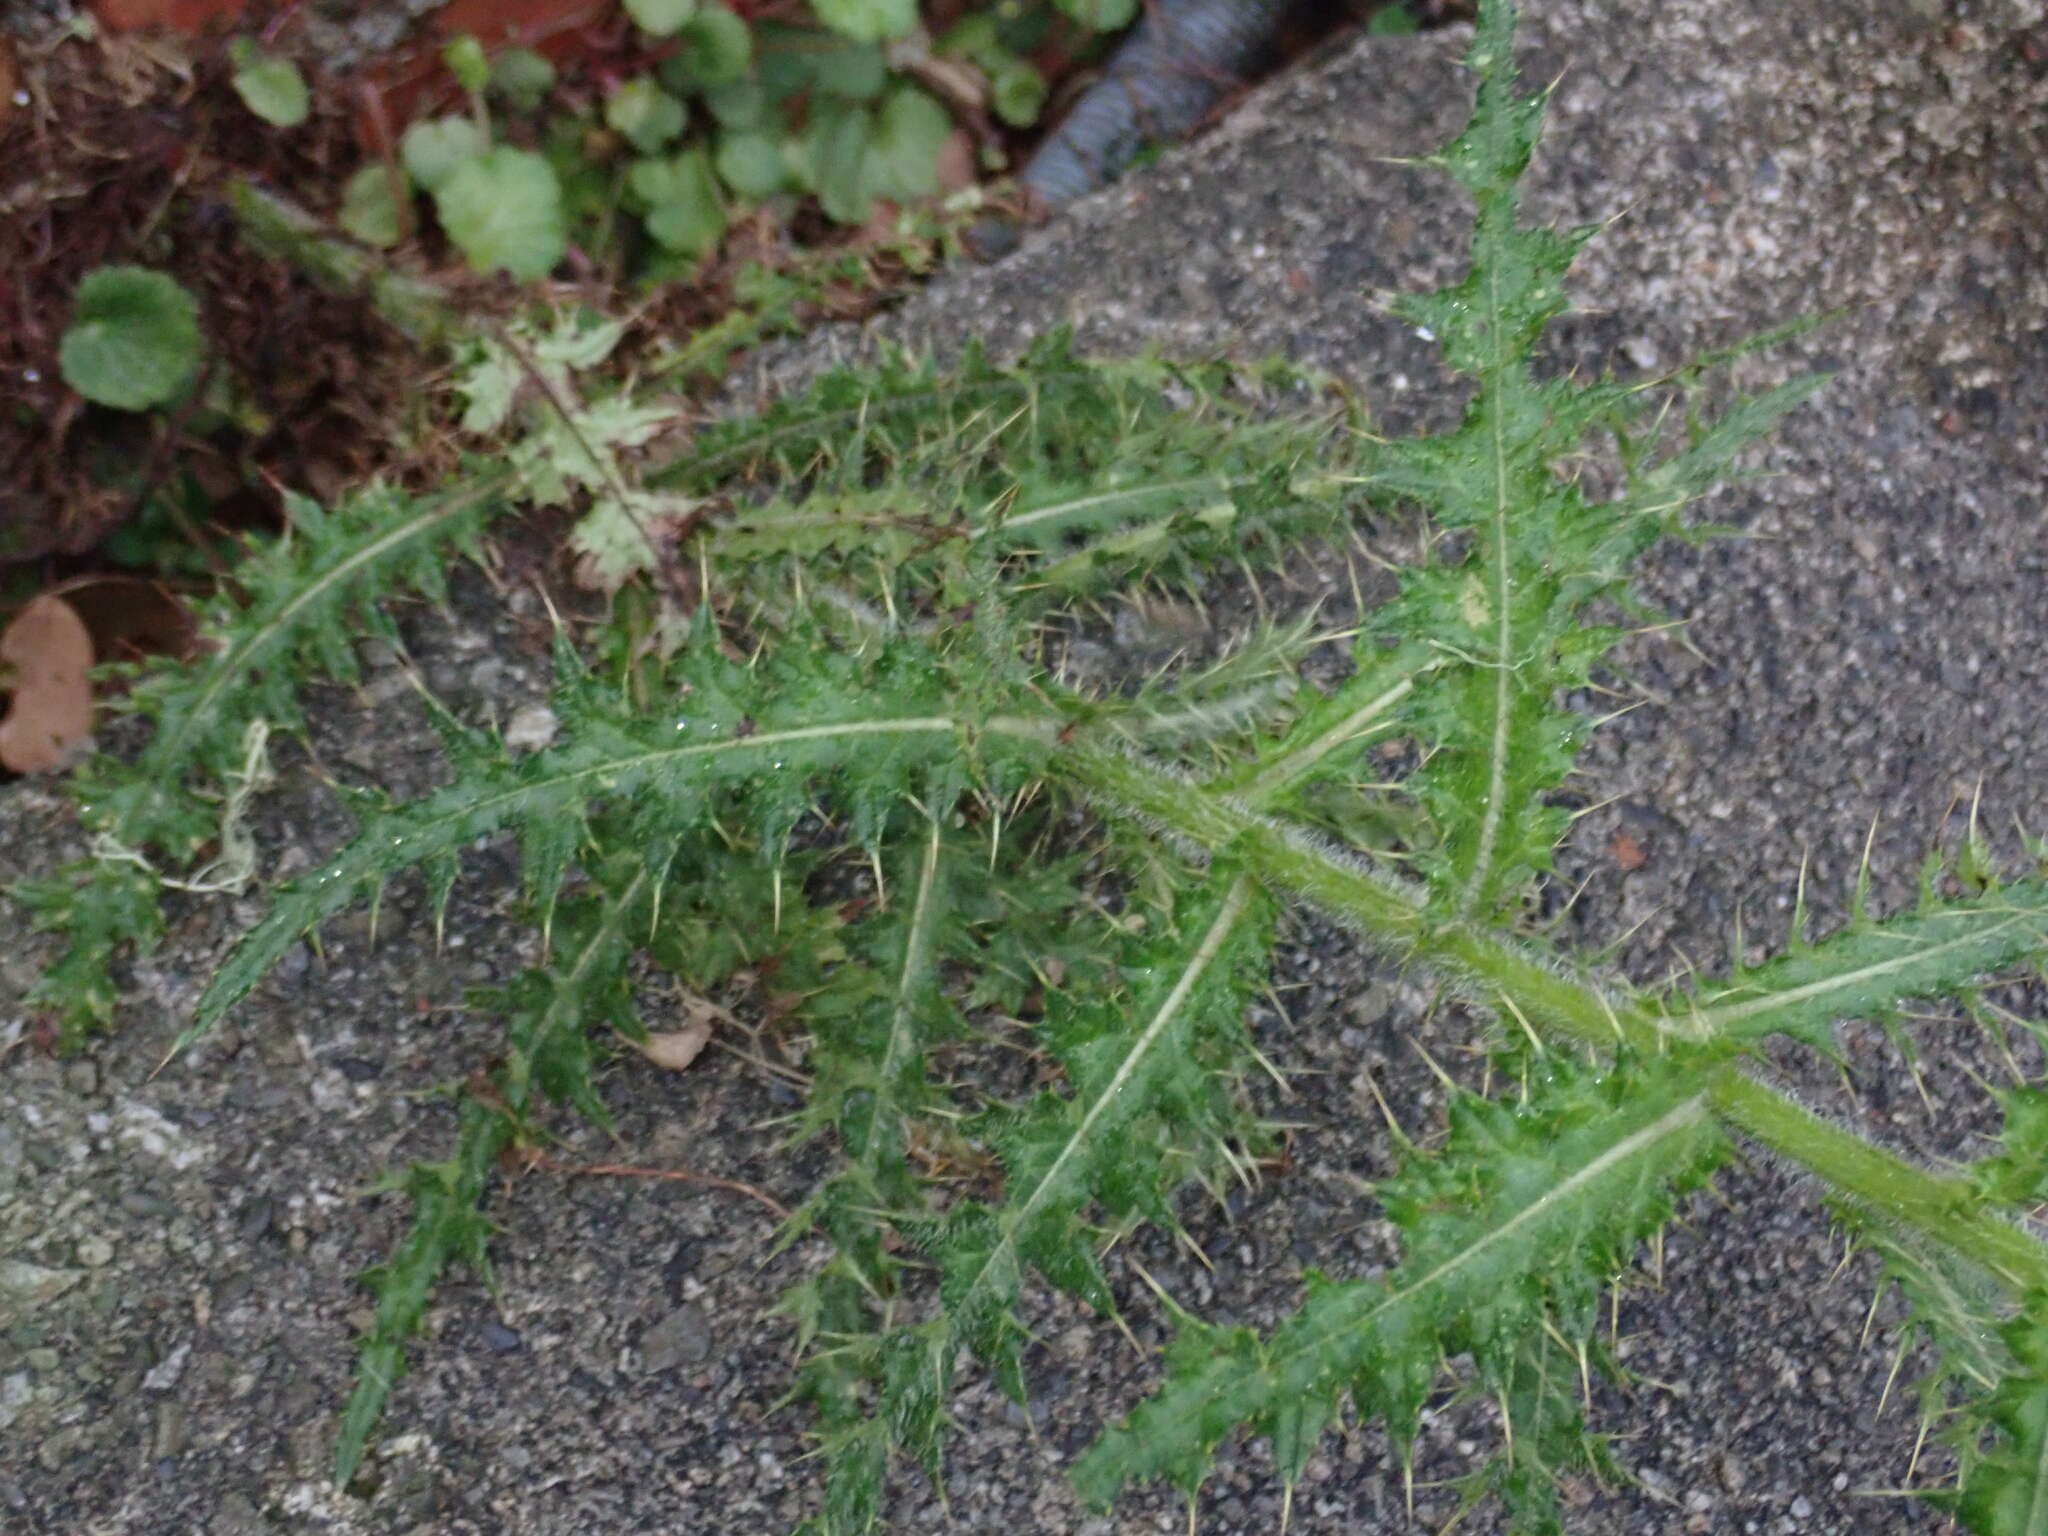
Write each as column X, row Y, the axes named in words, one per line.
column 875, row 758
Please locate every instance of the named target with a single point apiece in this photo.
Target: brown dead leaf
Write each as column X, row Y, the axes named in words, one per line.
column 1628, row 854
column 47, row 652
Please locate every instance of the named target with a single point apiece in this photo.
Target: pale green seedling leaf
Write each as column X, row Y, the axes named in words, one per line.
column 1101, row 15
column 432, row 148
column 1018, row 94
column 742, row 104
column 369, row 211
column 270, row 86
column 751, row 164
column 833, row 155
column 622, row 536
column 903, row 157
column 133, row 341
column 522, row 78
column 868, row 21
column 466, row 61
column 504, row 210
column 857, row 72
column 717, row 48
column 660, row 18
column 646, row 115
column 684, row 212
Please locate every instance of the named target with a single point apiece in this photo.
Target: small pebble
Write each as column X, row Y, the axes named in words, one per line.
column 684, row 1335
column 531, row 728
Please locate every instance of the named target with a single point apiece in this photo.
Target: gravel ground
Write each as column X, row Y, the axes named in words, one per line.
column 177, row 1252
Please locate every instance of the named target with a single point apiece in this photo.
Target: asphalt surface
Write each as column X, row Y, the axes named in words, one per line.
column 178, row 1252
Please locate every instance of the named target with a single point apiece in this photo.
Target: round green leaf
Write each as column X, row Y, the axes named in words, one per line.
column 857, row 72
column 270, row 86
column 684, row 212
column 868, row 21
column 1101, row 15
column 741, row 104
column 660, row 18
column 832, row 156
column 903, row 161
column 133, row 341
column 504, row 209
column 645, row 114
column 718, row 48
column 522, row 77
column 369, row 211
column 464, row 56
column 433, row 147
column 1392, row 21
column 751, row 164
column 1018, row 94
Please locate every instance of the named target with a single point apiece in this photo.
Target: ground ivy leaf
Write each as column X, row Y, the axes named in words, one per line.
column 369, row 211
column 684, row 212
column 133, row 341
column 1017, row 93
column 660, row 18
column 834, row 152
column 868, row 21
column 903, row 159
column 466, row 61
column 504, row 209
column 646, row 114
column 432, row 148
column 718, row 49
column 270, row 86
column 751, row 164
column 856, row 72
column 522, row 77
column 1101, row 15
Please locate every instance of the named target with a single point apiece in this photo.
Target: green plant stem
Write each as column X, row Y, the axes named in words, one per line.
column 1385, row 908
column 1945, row 1208
column 286, row 232
column 1555, row 1004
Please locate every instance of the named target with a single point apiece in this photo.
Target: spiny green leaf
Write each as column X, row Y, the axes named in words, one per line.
column 1870, row 968
column 2018, row 1174
column 448, row 1224
column 1515, row 1226
column 2006, row 1491
column 880, row 726
column 301, row 597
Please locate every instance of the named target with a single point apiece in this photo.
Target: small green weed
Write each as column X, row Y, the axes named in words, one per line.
column 134, row 339
column 707, row 116
column 872, row 689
